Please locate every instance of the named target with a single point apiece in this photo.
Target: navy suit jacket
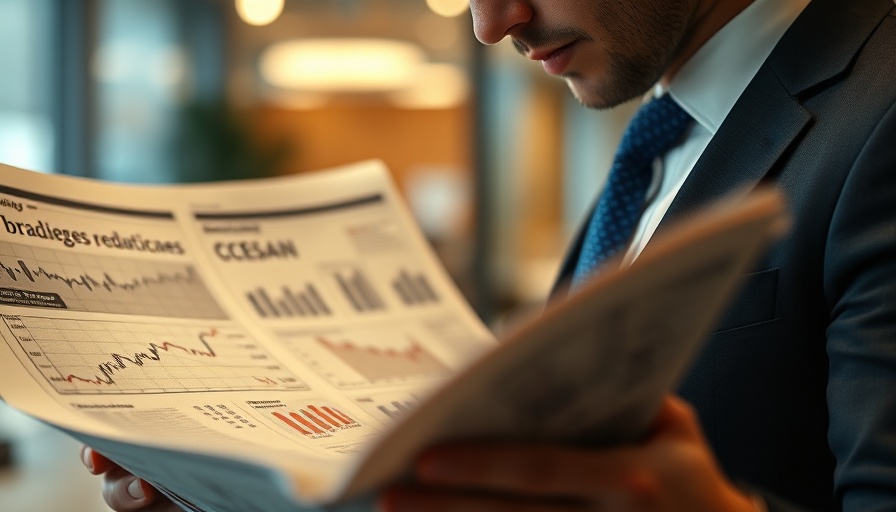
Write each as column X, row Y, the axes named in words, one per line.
column 796, row 388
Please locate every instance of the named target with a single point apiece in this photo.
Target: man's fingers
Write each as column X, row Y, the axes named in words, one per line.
column 95, row 462
column 535, row 471
column 676, row 418
column 401, row 499
column 124, row 492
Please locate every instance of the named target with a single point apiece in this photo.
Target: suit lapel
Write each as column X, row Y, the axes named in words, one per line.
column 824, row 40
column 568, row 265
column 768, row 118
column 764, row 122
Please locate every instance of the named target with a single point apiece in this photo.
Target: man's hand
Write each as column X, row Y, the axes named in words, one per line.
column 123, row 491
column 672, row 470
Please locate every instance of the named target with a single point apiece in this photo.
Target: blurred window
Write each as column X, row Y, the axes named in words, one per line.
column 26, row 123
column 138, row 67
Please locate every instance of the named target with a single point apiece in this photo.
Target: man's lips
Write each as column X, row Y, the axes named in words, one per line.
column 554, row 60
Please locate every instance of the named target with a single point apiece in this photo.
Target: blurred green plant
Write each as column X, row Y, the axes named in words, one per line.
column 215, row 142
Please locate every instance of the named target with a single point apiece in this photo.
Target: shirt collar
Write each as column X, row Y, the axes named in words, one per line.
column 712, row 80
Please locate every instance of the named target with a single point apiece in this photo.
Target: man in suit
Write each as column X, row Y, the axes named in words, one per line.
column 795, row 389
column 791, row 406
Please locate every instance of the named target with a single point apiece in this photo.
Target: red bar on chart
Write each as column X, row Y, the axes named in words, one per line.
column 320, row 423
column 291, row 423
column 338, row 415
column 307, row 423
column 324, row 415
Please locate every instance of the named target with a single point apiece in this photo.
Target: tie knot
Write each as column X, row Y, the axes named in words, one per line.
column 655, row 127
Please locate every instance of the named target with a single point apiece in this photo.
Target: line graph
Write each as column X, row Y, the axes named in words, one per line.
column 36, row 277
column 151, row 353
column 366, row 358
column 376, row 363
column 99, row 357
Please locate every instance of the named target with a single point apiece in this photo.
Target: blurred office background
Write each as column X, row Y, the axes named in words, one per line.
column 497, row 160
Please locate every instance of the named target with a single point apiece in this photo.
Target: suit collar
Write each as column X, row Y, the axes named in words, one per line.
column 764, row 122
column 769, row 117
column 729, row 60
column 825, row 40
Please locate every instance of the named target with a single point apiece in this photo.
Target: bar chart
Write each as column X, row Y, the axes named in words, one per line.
column 414, row 289
column 396, row 409
column 288, row 302
column 358, row 290
column 316, row 421
column 387, row 407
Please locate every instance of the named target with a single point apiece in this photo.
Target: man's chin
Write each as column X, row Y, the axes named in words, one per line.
column 588, row 97
column 601, row 96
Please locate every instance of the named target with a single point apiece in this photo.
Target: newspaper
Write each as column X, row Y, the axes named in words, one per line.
column 291, row 343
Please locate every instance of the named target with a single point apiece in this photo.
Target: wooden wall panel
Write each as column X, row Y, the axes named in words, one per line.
column 404, row 139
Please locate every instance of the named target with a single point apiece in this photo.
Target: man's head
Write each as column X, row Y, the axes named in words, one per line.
column 609, row 51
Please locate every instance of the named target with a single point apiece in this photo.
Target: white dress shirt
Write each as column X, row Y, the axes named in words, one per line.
column 707, row 87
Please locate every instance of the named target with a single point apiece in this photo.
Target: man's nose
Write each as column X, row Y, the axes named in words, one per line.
column 494, row 19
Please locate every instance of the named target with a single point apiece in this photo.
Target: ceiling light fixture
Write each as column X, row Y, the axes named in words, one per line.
column 259, row 12
column 448, row 8
column 437, row 86
column 341, row 65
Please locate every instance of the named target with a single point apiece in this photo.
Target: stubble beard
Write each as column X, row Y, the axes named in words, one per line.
column 632, row 64
column 625, row 78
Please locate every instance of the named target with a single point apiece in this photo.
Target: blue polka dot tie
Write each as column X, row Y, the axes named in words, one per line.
column 652, row 131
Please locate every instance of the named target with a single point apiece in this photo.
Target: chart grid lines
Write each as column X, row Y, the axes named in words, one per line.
column 98, row 357
column 376, row 364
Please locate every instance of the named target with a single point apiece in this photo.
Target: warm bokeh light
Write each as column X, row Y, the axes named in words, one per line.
column 259, row 12
column 341, row 65
column 435, row 86
column 437, row 32
column 294, row 100
column 448, row 8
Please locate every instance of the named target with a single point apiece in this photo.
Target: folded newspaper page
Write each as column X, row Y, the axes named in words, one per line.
column 292, row 343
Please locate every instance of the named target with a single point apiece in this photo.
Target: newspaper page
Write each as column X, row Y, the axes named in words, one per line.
column 593, row 369
column 283, row 344
column 224, row 328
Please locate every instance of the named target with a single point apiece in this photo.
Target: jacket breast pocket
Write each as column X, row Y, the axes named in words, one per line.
column 754, row 303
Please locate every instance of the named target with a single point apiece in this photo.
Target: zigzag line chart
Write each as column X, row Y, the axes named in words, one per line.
column 44, row 278
column 101, row 357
